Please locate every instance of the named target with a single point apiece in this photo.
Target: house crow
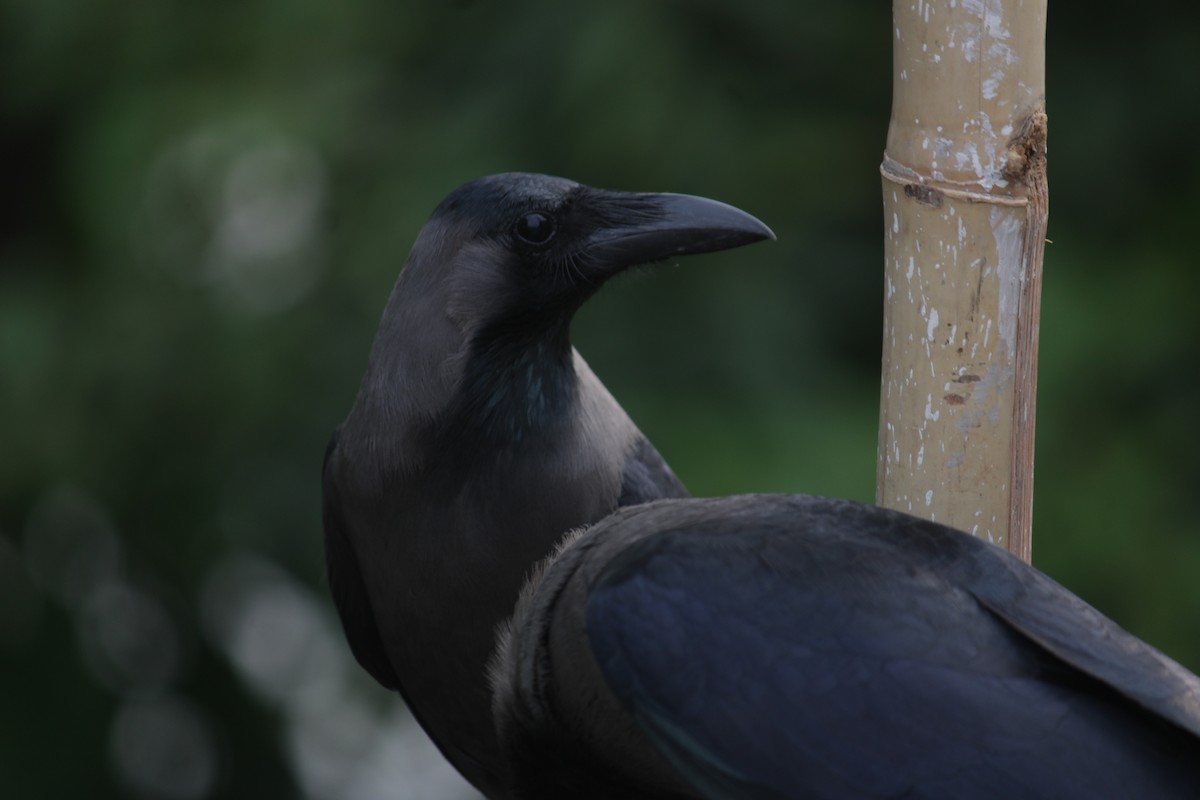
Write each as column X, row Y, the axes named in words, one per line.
column 798, row 647
column 479, row 436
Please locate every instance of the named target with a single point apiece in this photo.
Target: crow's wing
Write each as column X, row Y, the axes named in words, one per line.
column 346, row 583
column 799, row 647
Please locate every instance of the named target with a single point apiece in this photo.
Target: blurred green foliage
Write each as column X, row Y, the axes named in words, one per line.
column 205, row 208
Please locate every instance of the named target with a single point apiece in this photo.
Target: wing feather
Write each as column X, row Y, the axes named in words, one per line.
column 347, row 586
column 825, row 649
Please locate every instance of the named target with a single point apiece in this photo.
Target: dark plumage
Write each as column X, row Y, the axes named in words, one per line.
column 479, row 436
column 801, row 647
column 744, row 647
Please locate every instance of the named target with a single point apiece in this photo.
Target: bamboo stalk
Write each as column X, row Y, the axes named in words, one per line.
column 965, row 210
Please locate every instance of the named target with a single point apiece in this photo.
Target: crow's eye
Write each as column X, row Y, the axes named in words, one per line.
column 535, row 228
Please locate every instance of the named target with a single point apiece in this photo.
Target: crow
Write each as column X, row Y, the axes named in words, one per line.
column 479, row 436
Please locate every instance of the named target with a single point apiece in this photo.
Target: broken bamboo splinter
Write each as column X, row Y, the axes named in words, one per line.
column 965, row 209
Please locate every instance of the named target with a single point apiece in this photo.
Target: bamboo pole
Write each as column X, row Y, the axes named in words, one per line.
column 965, row 207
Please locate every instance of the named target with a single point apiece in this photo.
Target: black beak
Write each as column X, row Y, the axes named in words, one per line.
column 661, row 226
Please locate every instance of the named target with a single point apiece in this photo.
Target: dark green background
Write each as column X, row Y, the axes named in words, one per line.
column 206, row 205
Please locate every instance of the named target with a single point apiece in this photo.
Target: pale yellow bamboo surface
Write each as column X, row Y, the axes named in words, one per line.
column 964, row 191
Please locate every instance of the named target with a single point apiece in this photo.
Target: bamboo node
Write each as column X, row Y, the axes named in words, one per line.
column 916, row 187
